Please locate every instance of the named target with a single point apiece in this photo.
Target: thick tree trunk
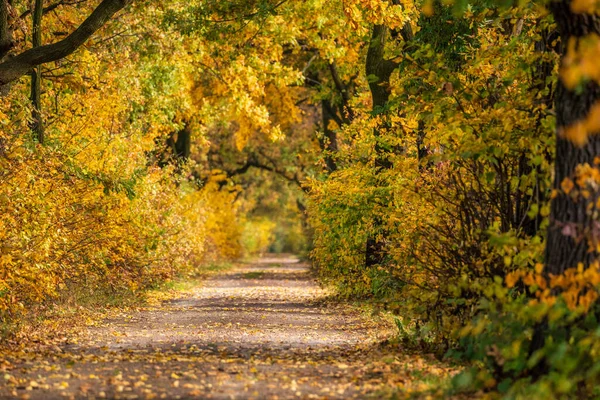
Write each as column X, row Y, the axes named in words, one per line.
column 570, row 222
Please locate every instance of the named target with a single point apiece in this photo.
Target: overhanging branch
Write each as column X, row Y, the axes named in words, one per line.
column 254, row 162
column 13, row 68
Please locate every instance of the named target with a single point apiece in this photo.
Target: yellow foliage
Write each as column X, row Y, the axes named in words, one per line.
column 91, row 207
column 223, row 227
column 585, row 6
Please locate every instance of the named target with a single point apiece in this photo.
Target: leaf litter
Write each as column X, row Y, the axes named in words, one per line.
column 265, row 330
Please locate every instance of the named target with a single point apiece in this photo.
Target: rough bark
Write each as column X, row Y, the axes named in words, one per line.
column 565, row 246
column 569, row 221
column 15, row 67
column 6, row 37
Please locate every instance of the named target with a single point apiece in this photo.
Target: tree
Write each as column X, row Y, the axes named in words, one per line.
column 571, row 231
column 12, row 68
column 37, row 124
column 379, row 71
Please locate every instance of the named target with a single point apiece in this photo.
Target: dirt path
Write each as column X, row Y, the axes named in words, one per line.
column 262, row 331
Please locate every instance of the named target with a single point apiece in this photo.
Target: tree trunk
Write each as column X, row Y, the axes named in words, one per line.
column 566, row 244
column 379, row 70
column 180, row 143
column 328, row 143
column 570, row 223
column 6, row 36
column 37, row 125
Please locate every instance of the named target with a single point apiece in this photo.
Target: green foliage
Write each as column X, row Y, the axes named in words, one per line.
column 448, row 34
column 420, row 135
column 90, row 217
column 499, row 342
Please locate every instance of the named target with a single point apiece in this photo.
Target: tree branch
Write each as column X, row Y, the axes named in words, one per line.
column 253, row 162
column 343, row 89
column 13, row 68
column 334, row 115
column 54, row 6
column 338, row 82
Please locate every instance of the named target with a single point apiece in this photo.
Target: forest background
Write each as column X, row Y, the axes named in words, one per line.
column 438, row 160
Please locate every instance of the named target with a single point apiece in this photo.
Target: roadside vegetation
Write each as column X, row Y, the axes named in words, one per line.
column 438, row 160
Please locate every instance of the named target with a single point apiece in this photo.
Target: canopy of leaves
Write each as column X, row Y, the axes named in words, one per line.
column 408, row 147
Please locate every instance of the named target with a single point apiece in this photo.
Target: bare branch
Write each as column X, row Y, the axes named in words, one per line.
column 343, row 89
column 54, row 6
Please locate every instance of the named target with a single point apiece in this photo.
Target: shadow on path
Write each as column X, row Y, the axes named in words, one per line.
column 261, row 331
